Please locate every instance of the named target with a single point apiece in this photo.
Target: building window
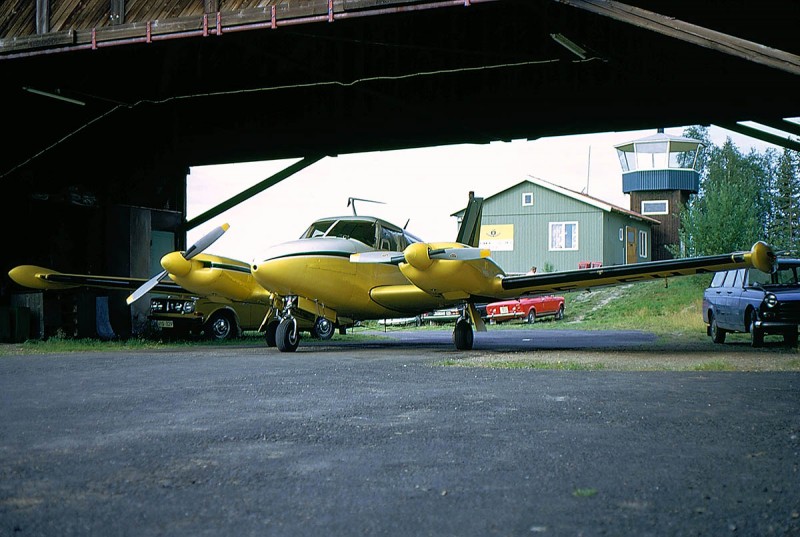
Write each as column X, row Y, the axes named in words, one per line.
column 655, row 207
column 563, row 236
column 527, row 199
column 642, row 243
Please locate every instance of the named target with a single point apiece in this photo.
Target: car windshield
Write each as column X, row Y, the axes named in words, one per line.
column 787, row 274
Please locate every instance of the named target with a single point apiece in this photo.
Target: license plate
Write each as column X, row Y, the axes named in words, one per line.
column 165, row 324
column 503, row 309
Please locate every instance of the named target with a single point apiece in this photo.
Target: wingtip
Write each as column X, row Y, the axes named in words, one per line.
column 763, row 257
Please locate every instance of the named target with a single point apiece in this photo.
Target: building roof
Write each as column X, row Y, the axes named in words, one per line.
column 584, row 198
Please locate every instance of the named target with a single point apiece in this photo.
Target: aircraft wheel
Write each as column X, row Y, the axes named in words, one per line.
column 287, row 337
column 221, row 326
column 756, row 334
column 463, row 337
column 323, row 328
column 717, row 334
column 531, row 316
column 270, row 333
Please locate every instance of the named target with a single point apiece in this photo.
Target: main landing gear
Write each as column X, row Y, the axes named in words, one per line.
column 463, row 337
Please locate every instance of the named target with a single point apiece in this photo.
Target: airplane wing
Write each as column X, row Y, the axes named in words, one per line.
column 44, row 278
column 761, row 256
column 474, row 276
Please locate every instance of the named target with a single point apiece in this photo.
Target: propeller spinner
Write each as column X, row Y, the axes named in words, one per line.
column 207, row 240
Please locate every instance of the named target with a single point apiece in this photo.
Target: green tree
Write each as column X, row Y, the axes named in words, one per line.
column 785, row 209
column 730, row 212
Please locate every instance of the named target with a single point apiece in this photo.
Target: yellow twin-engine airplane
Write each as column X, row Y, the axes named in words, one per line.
column 352, row 268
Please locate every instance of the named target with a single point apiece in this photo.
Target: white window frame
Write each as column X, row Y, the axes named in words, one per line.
column 665, row 211
column 643, row 243
column 563, row 226
column 527, row 199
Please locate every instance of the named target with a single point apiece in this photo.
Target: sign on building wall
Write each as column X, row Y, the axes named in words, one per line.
column 497, row 237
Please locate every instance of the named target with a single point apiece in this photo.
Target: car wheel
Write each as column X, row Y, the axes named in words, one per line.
column 463, row 337
column 790, row 338
column 270, row 333
column 717, row 333
column 531, row 318
column 756, row 334
column 323, row 329
column 220, row 327
column 560, row 313
column 287, row 337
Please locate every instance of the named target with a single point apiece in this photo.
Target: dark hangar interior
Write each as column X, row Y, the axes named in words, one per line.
column 110, row 101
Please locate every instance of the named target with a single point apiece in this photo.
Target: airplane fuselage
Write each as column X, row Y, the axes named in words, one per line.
column 321, row 268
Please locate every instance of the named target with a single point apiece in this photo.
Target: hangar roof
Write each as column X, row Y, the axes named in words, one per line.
column 275, row 79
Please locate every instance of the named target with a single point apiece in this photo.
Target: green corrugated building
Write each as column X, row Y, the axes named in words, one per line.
column 536, row 223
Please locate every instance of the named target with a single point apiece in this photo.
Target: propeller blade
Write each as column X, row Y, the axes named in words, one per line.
column 146, row 287
column 460, row 254
column 207, row 240
column 378, row 257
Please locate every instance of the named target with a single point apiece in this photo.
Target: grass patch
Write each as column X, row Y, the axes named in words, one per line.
column 584, row 493
column 716, row 365
column 533, row 364
column 662, row 307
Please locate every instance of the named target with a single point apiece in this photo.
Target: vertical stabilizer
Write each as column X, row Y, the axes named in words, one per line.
column 470, row 231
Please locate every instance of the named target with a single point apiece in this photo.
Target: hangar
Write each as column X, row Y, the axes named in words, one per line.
column 112, row 101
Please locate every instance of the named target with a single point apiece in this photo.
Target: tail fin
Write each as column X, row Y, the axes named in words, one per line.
column 470, row 231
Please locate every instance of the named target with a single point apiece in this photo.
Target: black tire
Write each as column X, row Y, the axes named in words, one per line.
column 463, row 338
column 531, row 318
column 790, row 338
column 287, row 337
column 270, row 333
column 560, row 313
column 323, row 329
column 221, row 326
column 756, row 334
column 717, row 334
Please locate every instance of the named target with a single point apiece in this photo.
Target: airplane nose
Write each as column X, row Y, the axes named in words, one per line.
column 175, row 263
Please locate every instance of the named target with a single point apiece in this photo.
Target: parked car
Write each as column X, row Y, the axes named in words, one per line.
column 526, row 308
column 445, row 315
column 450, row 314
column 199, row 316
column 754, row 302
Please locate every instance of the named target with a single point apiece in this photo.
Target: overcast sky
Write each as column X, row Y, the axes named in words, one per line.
column 421, row 186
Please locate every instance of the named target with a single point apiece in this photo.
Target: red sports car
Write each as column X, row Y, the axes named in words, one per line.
column 527, row 308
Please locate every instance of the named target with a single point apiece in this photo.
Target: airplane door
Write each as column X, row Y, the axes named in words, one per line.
column 631, row 253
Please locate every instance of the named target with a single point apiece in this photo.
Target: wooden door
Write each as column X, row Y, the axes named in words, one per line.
column 631, row 237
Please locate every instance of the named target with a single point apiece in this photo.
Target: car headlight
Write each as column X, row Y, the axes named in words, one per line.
column 770, row 300
column 188, row 306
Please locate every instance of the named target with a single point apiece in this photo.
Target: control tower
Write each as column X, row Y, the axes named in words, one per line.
column 660, row 172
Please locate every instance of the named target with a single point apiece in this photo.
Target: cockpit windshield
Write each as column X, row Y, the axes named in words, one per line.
column 375, row 234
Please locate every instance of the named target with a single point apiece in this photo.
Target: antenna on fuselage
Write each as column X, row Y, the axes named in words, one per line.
column 351, row 202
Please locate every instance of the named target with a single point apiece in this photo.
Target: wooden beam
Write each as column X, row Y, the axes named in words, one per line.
column 691, row 33
column 42, row 16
